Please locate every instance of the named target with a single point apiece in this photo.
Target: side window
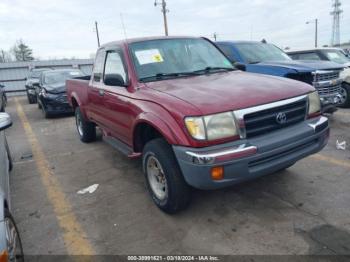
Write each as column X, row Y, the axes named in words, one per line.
column 309, row 56
column 98, row 66
column 114, row 66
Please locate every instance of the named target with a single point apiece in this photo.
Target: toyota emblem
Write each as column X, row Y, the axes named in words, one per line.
column 281, row 118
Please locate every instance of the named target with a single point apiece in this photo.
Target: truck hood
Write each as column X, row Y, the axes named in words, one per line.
column 303, row 65
column 227, row 91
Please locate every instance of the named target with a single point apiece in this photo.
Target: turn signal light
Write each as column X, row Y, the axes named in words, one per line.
column 217, row 173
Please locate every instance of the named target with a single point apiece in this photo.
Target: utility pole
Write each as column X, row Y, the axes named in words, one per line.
column 316, row 29
column 164, row 11
column 97, row 35
column 336, row 23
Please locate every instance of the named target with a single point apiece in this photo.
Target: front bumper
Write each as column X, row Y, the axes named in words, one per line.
column 250, row 158
column 56, row 104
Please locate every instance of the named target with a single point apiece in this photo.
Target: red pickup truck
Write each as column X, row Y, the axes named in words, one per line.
column 195, row 120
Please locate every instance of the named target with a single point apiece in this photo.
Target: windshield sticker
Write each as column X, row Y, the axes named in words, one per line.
column 149, row 56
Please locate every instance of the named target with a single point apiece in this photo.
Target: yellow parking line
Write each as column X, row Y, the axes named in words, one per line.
column 75, row 238
column 331, row 160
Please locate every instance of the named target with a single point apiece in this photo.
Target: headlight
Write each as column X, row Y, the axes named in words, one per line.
column 212, row 127
column 195, row 126
column 314, row 103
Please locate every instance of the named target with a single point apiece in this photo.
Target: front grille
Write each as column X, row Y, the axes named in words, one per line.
column 326, row 76
column 331, row 90
column 265, row 121
column 62, row 99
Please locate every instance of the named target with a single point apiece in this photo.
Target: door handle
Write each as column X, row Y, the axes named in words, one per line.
column 101, row 92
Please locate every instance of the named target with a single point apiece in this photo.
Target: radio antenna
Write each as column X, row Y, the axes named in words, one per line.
column 123, row 25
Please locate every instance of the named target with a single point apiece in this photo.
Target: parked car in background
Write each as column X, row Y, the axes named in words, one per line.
column 31, row 80
column 336, row 55
column 52, row 96
column 195, row 120
column 3, row 98
column 265, row 58
column 10, row 241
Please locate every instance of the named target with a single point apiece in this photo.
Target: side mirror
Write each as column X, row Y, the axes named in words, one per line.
column 5, row 121
column 240, row 66
column 114, row 80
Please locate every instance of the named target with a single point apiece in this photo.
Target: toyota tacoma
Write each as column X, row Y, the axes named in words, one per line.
column 195, row 120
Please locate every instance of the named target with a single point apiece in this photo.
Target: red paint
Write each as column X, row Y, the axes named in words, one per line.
column 165, row 104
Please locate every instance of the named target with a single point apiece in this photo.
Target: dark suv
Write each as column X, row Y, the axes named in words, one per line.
column 31, row 80
column 335, row 55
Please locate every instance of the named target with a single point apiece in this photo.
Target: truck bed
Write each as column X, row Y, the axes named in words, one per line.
column 77, row 90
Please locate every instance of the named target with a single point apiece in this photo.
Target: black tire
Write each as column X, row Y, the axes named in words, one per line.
column 87, row 130
column 18, row 254
column 345, row 93
column 45, row 113
column 178, row 194
column 31, row 99
column 38, row 102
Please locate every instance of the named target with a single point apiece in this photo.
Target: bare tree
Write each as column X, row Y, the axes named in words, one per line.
column 5, row 56
column 22, row 52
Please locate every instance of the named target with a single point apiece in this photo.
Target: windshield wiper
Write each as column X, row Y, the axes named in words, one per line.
column 254, row 62
column 211, row 69
column 167, row 75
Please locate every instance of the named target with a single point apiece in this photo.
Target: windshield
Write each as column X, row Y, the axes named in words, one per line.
column 336, row 56
column 61, row 76
column 260, row 52
column 36, row 73
column 176, row 57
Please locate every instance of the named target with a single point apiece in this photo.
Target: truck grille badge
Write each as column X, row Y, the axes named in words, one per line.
column 281, row 118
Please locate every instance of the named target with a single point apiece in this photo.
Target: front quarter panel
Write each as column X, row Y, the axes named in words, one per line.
column 156, row 116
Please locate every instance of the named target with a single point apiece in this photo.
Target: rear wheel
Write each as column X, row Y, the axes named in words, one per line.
column 13, row 240
column 86, row 129
column 165, row 181
column 345, row 95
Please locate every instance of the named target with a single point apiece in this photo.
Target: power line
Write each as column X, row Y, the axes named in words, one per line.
column 336, row 23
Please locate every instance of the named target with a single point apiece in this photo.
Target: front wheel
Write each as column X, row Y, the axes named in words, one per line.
column 345, row 95
column 86, row 129
column 165, row 181
column 13, row 240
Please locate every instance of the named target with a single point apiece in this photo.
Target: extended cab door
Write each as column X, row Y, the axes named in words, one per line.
column 117, row 111
column 96, row 90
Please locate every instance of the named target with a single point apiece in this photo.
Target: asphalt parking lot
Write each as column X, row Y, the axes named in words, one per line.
column 303, row 210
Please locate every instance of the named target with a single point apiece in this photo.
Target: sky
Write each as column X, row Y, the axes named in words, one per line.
column 65, row 28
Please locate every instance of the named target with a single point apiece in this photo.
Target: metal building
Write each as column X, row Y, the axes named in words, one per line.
column 13, row 74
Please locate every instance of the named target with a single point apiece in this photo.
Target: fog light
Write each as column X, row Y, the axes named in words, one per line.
column 217, row 173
